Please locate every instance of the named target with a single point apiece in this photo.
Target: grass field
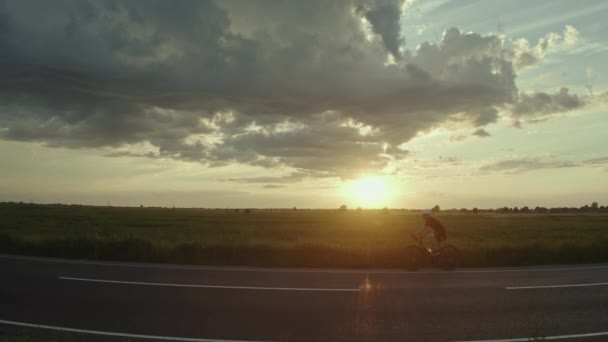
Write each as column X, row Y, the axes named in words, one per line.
column 294, row 238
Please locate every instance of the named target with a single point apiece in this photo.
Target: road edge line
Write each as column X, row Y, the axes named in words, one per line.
column 115, row 334
column 259, row 288
column 553, row 286
column 556, row 337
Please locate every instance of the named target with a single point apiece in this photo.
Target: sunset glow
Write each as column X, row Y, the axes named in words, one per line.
column 370, row 192
column 258, row 104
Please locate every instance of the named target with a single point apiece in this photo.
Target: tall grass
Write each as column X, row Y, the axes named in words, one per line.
column 303, row 238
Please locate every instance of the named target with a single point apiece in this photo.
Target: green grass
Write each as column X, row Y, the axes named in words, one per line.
column 302, row 238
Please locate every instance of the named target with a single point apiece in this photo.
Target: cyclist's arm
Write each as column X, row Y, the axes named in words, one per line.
column 422, row 230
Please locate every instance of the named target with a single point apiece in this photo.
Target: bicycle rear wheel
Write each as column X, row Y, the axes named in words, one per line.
column 449, row 258
column 414, row 258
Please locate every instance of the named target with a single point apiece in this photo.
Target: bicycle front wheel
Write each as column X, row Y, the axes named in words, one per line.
column 414, row 258
column 449, row 258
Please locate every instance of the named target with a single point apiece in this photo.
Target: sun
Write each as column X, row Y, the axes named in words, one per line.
column 371, row 191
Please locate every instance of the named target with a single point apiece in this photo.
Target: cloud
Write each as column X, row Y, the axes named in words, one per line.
column 525, row 55
column 481, row 133
column 273, row 186
column 457, row 138
column 522, row 165
column 540, row 103
column 603, row 97
column 597, row 161
column 486, row 116
column 571, row 35
column 290, row 178
column 525, row 164
column 271, row 84
column 384, row 17
column 435, row 163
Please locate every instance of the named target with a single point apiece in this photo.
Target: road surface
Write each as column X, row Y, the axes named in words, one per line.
column 168, row 302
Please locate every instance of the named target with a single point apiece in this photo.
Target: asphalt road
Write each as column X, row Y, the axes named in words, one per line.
column 254, row 304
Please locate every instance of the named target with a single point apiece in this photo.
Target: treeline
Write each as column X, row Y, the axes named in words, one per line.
column 593, row 208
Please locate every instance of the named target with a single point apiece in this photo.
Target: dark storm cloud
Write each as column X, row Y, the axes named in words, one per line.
column 294, row 83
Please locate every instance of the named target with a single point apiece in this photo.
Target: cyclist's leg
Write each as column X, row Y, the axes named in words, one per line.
column 425, row 236
column 436, row 243
column 439, row 237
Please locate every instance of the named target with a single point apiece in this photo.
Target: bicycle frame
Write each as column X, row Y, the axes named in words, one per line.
column 447, row 256
column 424, row 244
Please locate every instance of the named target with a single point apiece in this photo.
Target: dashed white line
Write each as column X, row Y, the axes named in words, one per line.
column 115, row 334
column 544, row 338
column 553, row 286
column 213, row 286
column 295, row 270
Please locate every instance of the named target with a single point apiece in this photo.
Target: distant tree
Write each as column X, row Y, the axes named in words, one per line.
column 475, row 210
column 525, row 210
column 141, row 205
column 294, row 208
column 436, row 209
column 464, row 210
column 236, row 210
column 516, row 210
column 594, row 206
column 359, row 210
column 385, row 211
column 343, row 207
column 247, row 211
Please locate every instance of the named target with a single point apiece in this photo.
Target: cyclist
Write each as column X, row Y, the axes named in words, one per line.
column 431, row 224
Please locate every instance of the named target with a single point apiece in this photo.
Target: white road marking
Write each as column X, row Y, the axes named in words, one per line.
column 557, row 337
column 296, row 270
column 212, row 286
column 553, row 286
column 194, row 339
column 115, row 334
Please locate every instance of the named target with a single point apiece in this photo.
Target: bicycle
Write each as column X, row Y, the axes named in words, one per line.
column 416, row 256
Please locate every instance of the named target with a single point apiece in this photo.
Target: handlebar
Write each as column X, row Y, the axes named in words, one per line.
column 419, row 239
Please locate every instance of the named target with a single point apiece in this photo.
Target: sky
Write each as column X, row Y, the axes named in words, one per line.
column 313, row 104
